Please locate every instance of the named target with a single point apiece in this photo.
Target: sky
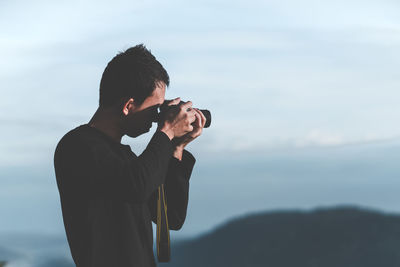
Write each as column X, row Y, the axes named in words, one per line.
column 307, row 87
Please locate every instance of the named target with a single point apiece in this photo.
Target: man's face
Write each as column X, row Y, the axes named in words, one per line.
column 140, row 118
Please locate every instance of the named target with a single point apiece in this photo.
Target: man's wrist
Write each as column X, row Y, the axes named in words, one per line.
column 168, row 132
column 178, row 152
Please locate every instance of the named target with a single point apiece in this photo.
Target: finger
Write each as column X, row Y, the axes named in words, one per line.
column 204, row 119
column 187, row 105
column 199, row 119
column 196, row 127
column 171, row 102
column 192, row 112
column 192, row 117
column 174, row 101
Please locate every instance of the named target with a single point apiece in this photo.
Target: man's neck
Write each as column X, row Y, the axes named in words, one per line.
column 107, row 122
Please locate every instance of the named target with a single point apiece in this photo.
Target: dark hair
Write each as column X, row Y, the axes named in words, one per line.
column 131, row 74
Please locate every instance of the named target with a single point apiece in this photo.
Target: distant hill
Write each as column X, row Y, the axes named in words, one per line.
column 6, row 255
column 34, row 250
column 337, row 237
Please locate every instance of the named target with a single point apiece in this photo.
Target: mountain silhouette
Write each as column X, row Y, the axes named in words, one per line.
column 329, row 237
column 340, row 236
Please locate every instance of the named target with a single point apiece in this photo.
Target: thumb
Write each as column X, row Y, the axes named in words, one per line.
column 175, row 101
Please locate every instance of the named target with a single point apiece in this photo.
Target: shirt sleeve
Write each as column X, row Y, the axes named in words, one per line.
column 176, row 190
column 112, row 177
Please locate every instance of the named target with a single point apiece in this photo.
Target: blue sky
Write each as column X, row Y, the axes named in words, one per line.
column 280, row 77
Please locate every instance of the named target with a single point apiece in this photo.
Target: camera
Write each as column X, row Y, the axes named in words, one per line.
column 164, row 108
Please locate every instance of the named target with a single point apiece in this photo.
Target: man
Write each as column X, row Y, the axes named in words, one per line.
column 108, row 194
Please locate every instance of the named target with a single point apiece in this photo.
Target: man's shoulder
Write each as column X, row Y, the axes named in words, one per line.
column 73, row 156
column 84, row 138
column 78, row 138
column 72, row 137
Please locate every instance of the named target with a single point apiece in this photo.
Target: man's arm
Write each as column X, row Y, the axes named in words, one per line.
column 177, row 181
column 176, row 190
column 108, row 176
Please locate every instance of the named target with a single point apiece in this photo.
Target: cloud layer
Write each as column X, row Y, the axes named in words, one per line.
column 274, row 73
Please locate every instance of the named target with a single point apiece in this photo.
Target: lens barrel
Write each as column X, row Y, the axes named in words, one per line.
column 206, row 114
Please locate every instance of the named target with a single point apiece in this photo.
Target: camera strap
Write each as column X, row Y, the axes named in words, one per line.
column 163, row 242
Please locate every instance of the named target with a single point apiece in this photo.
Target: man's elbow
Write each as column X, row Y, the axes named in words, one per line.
column 175, row 227
column 176, row 224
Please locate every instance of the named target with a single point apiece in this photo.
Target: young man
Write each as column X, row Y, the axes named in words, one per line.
column 108, row 194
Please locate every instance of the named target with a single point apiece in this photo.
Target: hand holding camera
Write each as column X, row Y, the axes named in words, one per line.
column 176, row 119
column 198, row 125
column 181, row 122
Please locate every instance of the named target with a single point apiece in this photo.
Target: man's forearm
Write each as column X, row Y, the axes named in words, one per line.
column 176, row 189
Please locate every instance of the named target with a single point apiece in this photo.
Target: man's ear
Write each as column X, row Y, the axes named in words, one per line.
column 128, row 106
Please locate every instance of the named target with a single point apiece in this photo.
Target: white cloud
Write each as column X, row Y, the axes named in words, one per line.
column 319, row 138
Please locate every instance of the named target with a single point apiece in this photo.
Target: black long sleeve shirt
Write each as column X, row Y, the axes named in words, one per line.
column 108, row 195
